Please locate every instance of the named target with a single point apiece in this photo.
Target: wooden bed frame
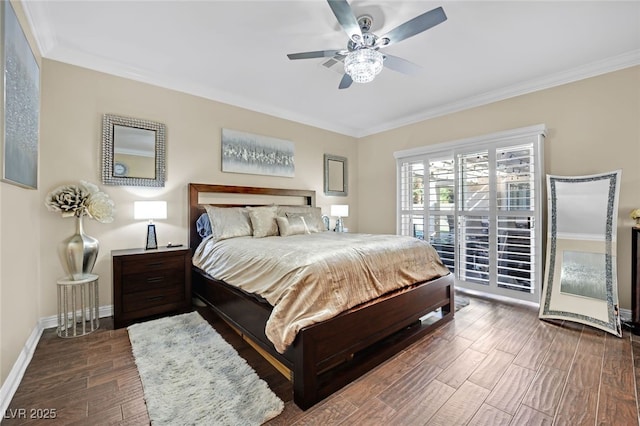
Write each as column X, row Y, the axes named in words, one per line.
column 327, row 356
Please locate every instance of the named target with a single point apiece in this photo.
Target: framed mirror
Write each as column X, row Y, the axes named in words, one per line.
column 133, row 151
column 335, row 175
column 581, row 282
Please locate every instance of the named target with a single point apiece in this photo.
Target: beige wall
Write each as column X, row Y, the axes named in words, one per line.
column 19, row 260
column 593, row 126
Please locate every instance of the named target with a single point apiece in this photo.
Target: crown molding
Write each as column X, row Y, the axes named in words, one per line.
column 614, row 63
column 593, row 69
column 36, row 13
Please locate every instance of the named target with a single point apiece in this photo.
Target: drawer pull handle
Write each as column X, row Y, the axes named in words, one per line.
column 155, row 264
column 155, row 280
column 150, row 299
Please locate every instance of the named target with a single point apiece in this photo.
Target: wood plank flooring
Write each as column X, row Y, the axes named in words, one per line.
column 495, row 364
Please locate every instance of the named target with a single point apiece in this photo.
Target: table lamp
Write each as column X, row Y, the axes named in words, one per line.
column 150, row 210
column 339, row 210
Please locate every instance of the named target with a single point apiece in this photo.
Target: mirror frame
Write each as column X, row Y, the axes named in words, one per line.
column 108, row 176
column 345, row 175
column 579, row 312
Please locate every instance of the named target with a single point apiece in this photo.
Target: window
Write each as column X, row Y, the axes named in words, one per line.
column 478, row 203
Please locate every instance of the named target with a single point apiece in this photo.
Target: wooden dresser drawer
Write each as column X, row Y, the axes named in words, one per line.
column 137, row 264
column 150, row 283
column 153, row 280
column 151, row 298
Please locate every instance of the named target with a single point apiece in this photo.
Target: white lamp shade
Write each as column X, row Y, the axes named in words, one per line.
column 150, row 210
column 340, row 210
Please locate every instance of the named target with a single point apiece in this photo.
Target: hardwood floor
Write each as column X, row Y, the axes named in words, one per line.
column 495, row 364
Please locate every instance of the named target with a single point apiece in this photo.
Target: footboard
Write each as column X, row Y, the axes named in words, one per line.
column 329, row 355
column 245, row 314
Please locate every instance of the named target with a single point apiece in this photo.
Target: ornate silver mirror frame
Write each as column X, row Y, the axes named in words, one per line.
column 335, row 175
column 133, row 151
column 581, row 282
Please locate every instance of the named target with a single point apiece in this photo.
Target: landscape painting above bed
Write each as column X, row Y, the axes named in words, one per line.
column 255, row 154
column 343, row 310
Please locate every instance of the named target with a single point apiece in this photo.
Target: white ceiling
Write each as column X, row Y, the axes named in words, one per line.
column 235, row 52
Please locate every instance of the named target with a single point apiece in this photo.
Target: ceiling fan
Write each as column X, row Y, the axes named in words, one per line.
column 362, row 59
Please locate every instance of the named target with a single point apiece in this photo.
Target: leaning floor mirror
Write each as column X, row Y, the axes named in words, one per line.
column 580, row 280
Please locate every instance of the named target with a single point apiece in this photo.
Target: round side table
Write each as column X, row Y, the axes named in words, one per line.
column 77, row 306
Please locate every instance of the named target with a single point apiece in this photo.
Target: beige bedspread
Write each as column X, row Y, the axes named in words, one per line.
column 311, row 278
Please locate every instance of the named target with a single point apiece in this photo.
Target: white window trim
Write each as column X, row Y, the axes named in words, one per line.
column 476, row 141
column 538, row 131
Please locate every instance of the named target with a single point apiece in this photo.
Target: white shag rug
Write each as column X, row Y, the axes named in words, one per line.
column 192, row 376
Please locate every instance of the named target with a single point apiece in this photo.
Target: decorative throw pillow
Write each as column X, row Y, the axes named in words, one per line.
column 229, row 222
column 292, row 226
column 315, row 225
column 203, row 225
column 263, row 221
column 308, row 219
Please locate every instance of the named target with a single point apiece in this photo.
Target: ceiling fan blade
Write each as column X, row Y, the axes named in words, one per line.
column 401, row 65
column 316, row 54
column 345, row 82
column 414, row 26
column 347, row 19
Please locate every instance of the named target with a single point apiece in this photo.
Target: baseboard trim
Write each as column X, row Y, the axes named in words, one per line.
column 10, row 385
column 498, row 298
column 52, row 321
column 625, row 314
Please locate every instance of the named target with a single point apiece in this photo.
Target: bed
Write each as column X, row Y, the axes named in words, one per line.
column 323, row 356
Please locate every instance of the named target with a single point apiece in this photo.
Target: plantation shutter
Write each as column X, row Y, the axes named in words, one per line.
column 478, row 202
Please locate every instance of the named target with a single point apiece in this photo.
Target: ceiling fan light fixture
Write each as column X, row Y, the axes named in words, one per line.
column 363, row 65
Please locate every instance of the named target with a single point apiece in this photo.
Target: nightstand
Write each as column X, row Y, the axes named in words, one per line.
column 150, row 282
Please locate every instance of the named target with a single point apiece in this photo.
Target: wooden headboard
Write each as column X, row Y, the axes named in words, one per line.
column 240, row 196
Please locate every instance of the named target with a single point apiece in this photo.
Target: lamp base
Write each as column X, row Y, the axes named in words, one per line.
column 152, row 240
